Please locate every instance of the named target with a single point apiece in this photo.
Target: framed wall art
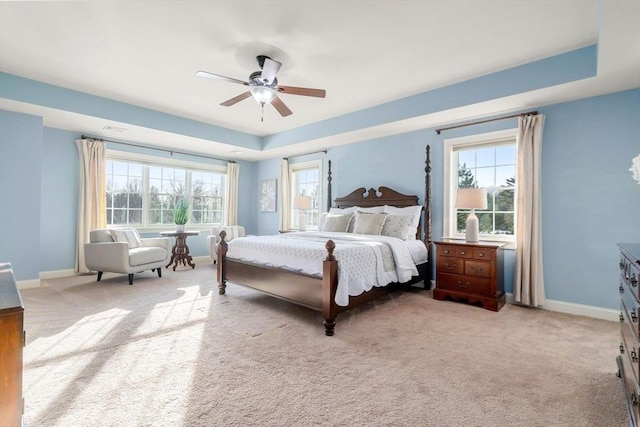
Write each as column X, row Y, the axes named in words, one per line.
column 268, row 192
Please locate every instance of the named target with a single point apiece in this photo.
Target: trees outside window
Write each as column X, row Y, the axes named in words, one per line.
column 143, row 192
column 305, row 181
column 482, row 161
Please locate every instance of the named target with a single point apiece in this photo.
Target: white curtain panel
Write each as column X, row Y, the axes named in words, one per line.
column 92, row 209
column 285, row 191
column 529, row 277
column 231, row 200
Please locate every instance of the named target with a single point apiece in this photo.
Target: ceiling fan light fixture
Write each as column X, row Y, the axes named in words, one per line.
column 263, row 94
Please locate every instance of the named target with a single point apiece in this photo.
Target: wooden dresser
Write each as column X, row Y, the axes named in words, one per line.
column 470, row 272
column 11, row 344
column 628, row 366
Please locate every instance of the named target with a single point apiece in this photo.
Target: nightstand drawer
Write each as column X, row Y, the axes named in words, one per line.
column 484, row 254
column 477, row 268
column 450, row 265
column 460, row 283
column 447, row 250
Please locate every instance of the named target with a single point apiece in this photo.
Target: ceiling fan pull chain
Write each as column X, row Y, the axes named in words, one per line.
column 262, row 116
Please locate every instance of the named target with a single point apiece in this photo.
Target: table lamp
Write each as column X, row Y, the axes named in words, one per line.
column 302, row 203
column 472, row 198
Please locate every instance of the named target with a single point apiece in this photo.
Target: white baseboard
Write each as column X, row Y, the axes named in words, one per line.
column 56, row 274
column 205, row 259
column 28, row 284
column 577, row 309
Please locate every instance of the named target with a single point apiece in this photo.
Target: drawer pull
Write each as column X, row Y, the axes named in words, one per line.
column 463, row 285
column 621, row 318
column 477, row 269
column 634, row 316
column 634, row 399
column 621, row 289
column 481, row 254
column 634, row 281
column 634, row 356
column 621, row 348
column 446, row 251
column 451, row 266
column 621, row 265
column 463, row 253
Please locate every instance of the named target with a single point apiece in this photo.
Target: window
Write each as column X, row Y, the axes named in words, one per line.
column 305, row 181
column 482, row 161
column 142, row 191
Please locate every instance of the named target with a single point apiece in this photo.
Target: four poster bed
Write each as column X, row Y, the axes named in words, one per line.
column 303, row 267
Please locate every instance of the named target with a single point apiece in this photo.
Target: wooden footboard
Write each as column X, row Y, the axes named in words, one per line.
column 302, row 289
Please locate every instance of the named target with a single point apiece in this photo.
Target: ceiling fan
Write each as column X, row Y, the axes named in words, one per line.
column 264, row 87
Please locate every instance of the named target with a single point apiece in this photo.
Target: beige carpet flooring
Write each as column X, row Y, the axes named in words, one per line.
column 172, row 352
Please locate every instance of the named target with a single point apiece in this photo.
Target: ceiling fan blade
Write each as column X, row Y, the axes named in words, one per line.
column 236, row 99
column 304, row 91
column 219, row 77
column 282, row 109
column 270, row 69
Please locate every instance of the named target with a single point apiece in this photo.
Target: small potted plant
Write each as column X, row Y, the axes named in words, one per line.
column 181, row 214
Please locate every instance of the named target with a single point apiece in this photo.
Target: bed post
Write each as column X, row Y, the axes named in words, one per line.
column 427, row 216
column 329, row 201
column 221, row 253
column 329, row 286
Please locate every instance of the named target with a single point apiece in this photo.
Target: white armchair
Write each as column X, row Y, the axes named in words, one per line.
column 123, row 251
column 213, row 239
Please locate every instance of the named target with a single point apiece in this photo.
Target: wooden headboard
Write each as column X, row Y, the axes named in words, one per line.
column 364, row 198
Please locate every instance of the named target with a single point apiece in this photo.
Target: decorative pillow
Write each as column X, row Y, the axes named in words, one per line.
column 338, row 223
column 398, row 226
column 369, row 223
column 129, row 236
column 344, row 211
column 413, row 211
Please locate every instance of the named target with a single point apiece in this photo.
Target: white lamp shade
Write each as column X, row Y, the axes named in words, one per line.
column 471, row 198
column 262, row 94
column 302, row 202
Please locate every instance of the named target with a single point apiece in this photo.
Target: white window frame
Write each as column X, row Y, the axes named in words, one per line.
column 296, row 167
column 451, row 185
column 147, row 160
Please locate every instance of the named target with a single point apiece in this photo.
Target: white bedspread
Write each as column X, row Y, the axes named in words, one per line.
column 361, row 263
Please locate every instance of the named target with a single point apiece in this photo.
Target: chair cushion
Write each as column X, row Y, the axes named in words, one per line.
column 128, row 236
column 101, row 235
column 146, row 255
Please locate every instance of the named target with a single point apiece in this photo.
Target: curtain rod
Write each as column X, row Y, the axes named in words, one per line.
column 305, row 154
column 158, row 149
column 528, row 113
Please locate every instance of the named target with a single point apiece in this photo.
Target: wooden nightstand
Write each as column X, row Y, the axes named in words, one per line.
column 471, row 272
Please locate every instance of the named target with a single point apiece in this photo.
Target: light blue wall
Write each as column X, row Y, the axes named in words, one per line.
column 59, row 212
column 39, row 173
column 589, row 200
column 20, row 201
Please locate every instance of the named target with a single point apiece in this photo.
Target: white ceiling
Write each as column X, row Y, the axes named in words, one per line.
column 363, row 53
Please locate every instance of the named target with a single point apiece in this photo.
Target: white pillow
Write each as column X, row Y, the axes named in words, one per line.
column 342, row 210
column 398, row 226
column 369, row 223
column 321, row 220
column 373, row 209
column 414, row 211
column 337, row 223
column 128, row 236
